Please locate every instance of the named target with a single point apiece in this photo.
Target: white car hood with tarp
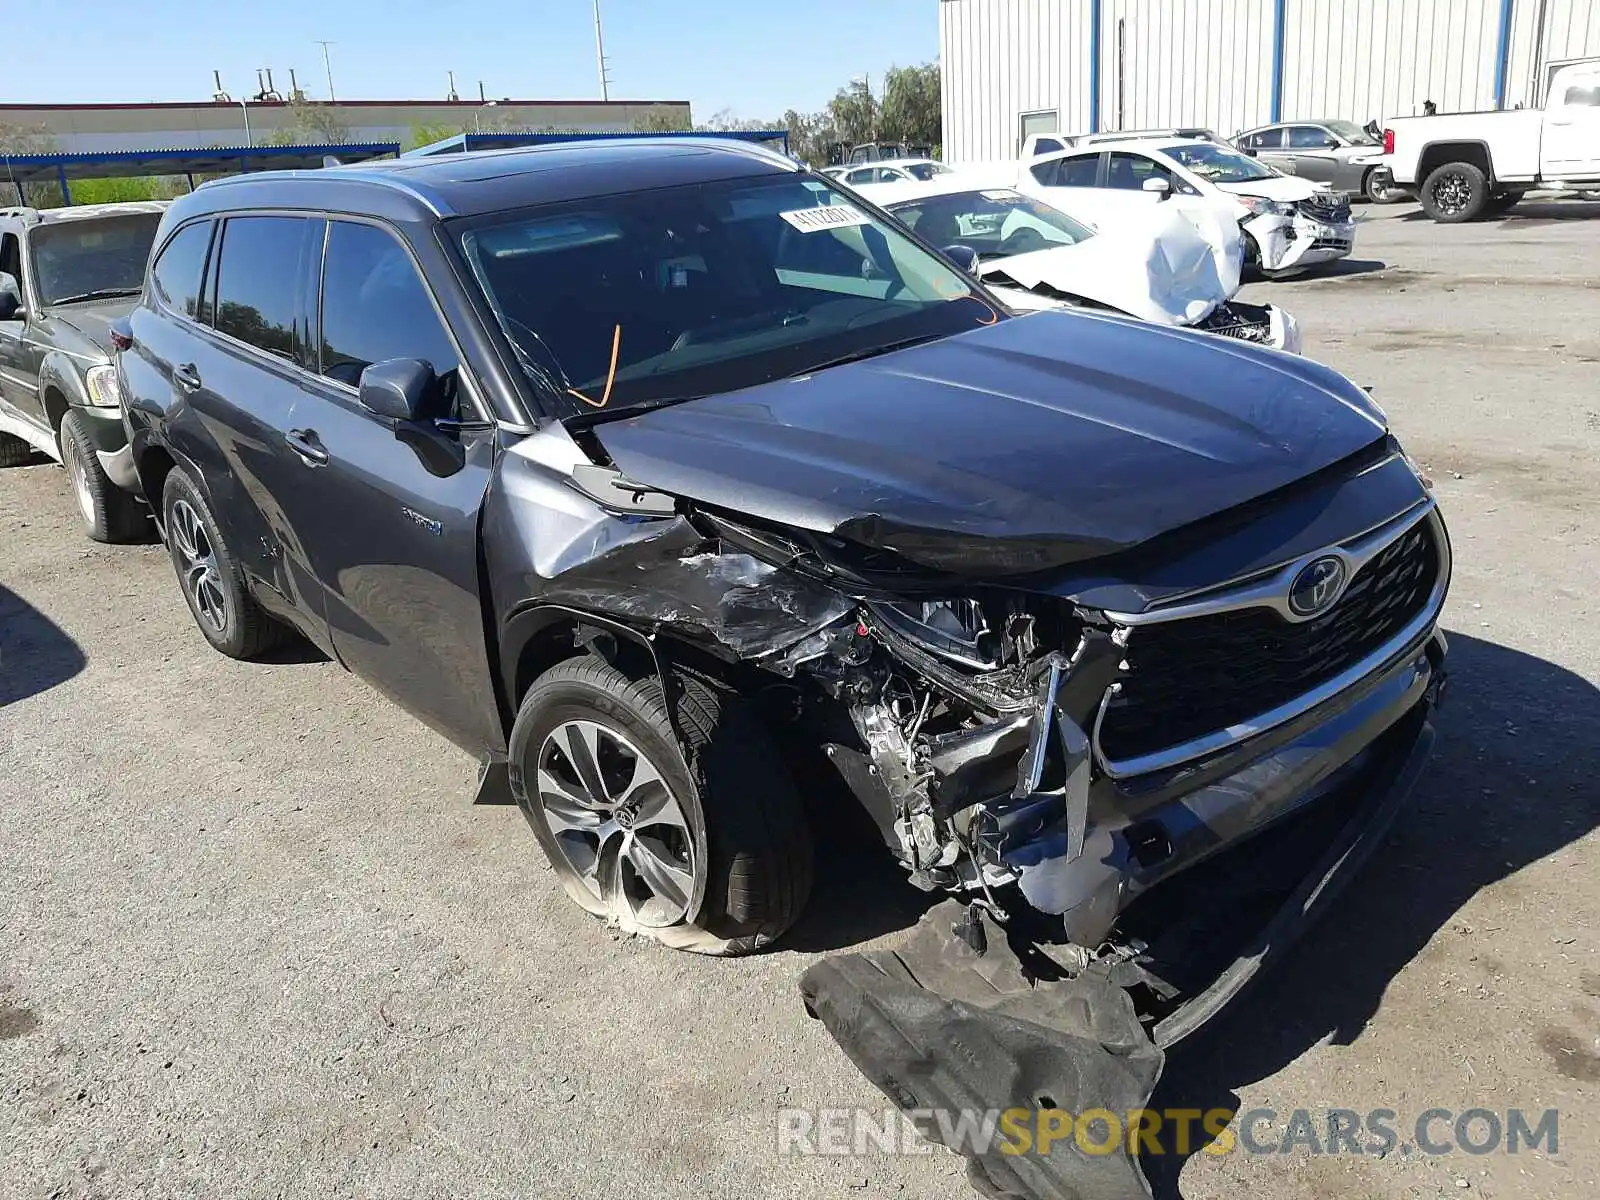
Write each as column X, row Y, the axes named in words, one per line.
column 1164, row 270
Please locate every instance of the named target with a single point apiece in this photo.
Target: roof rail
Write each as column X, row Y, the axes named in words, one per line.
column 1193, row 132
column 24, row 212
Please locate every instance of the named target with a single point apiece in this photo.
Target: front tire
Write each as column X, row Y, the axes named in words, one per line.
column 109, row 513
column 1454, row 193
column 701, row 844
column 210, row 577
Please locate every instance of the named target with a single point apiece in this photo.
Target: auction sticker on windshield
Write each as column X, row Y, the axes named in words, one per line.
column 832, row 216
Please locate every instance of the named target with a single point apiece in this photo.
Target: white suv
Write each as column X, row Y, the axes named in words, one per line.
column 1288, row 223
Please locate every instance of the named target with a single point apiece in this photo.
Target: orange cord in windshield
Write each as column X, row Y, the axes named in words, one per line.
column 611, row 374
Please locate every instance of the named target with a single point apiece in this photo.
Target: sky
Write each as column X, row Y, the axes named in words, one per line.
column 756, row 57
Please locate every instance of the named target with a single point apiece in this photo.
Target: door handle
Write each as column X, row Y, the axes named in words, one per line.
column 308, row 446
column 186, row 376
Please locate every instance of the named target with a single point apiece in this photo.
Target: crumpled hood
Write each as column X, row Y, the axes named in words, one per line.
column 91, row 323
column 1163, row 270
column 1021, row 446
column 1278, row 187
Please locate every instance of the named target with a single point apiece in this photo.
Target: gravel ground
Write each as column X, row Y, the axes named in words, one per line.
column 256, row 941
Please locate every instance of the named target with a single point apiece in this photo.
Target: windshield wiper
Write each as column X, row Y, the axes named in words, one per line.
column 597, row 416
column 869, row 352
column 102, row 294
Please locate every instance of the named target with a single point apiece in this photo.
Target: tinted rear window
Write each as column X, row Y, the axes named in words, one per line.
column 258, row 280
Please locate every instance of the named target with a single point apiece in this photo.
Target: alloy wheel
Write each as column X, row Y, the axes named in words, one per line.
column 617, row 824
column 1452, row 193
column 202, row 577
column 1380, row 187
column 78, row 474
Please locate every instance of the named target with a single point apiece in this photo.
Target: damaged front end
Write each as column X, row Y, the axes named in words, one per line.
column 1136, row 790
column 1291, row 235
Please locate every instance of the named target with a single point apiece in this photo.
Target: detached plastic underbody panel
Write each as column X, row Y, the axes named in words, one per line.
column 969, row 1017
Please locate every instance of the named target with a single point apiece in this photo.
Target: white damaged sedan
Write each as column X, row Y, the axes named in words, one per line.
column 1289, row 224
column 1162, row 268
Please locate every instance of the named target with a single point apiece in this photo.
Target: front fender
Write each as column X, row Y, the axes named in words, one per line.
column 63, row 375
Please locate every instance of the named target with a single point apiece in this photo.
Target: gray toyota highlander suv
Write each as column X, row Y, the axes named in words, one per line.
column 660, row 474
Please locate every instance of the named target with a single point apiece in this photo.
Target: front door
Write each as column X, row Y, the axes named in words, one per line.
column 20, row 359
column 388, row 511
column 1571, row 146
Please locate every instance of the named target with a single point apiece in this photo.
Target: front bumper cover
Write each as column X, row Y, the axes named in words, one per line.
column 970, row 1023
column 1289, row 243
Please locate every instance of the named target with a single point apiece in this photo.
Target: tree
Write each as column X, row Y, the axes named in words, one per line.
column 310, row 123
column 911, row 105
column 727, row 121
column 854, row 113
column 25, row 139
column 661, row 120
column 424, row 134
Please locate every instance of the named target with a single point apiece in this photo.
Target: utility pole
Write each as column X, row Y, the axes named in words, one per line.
column 600, row 53
column 327, row 65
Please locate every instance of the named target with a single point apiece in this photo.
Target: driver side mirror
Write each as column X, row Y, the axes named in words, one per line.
column 10, row 298
column 964, row 257
column 398, row 388
column 1157, row 187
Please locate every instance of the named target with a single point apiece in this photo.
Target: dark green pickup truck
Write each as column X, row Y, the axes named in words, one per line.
column 65, row 275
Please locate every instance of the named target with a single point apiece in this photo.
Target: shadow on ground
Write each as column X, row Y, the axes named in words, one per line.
column 1532, row 213
column 1341, row 268
column 35, row 653
column 1511, row 782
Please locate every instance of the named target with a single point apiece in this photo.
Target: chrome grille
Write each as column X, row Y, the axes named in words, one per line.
column 1194, row 676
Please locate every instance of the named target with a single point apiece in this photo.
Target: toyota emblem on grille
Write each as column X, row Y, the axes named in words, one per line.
column 1317, row 586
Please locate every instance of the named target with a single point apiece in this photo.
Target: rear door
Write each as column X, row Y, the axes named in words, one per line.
column 1269, row 148
column 234, row 386
column 1072, row 184
column 1571, row 145
column 389, row 511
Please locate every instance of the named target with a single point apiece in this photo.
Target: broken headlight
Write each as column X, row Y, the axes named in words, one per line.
column 1261, row 206
column 957, row 631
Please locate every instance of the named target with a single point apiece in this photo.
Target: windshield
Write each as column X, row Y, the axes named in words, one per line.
column 650, row 297
column 926, row 171
column 1351, row 132
column 996, row 222
column 1218, row 164
column 83, row 258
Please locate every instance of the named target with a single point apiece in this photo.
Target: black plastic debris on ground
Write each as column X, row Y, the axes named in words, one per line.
column 937, row 1026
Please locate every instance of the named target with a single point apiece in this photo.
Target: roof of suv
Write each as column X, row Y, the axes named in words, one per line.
column 495, row 180
column 82, row 212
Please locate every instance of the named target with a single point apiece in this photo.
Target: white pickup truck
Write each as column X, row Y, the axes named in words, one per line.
column 1468, row 165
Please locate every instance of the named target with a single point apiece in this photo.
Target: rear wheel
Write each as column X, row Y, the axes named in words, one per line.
column 1455, row 192
column 109, row 513
column 700, row 844
column 13, row 451
column 212, row 583
column 1379, row 186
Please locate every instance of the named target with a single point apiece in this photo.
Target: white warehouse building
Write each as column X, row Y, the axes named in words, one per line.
column 1015, row 67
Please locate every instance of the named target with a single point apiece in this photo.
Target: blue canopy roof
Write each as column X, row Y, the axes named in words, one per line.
column 203, row 160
